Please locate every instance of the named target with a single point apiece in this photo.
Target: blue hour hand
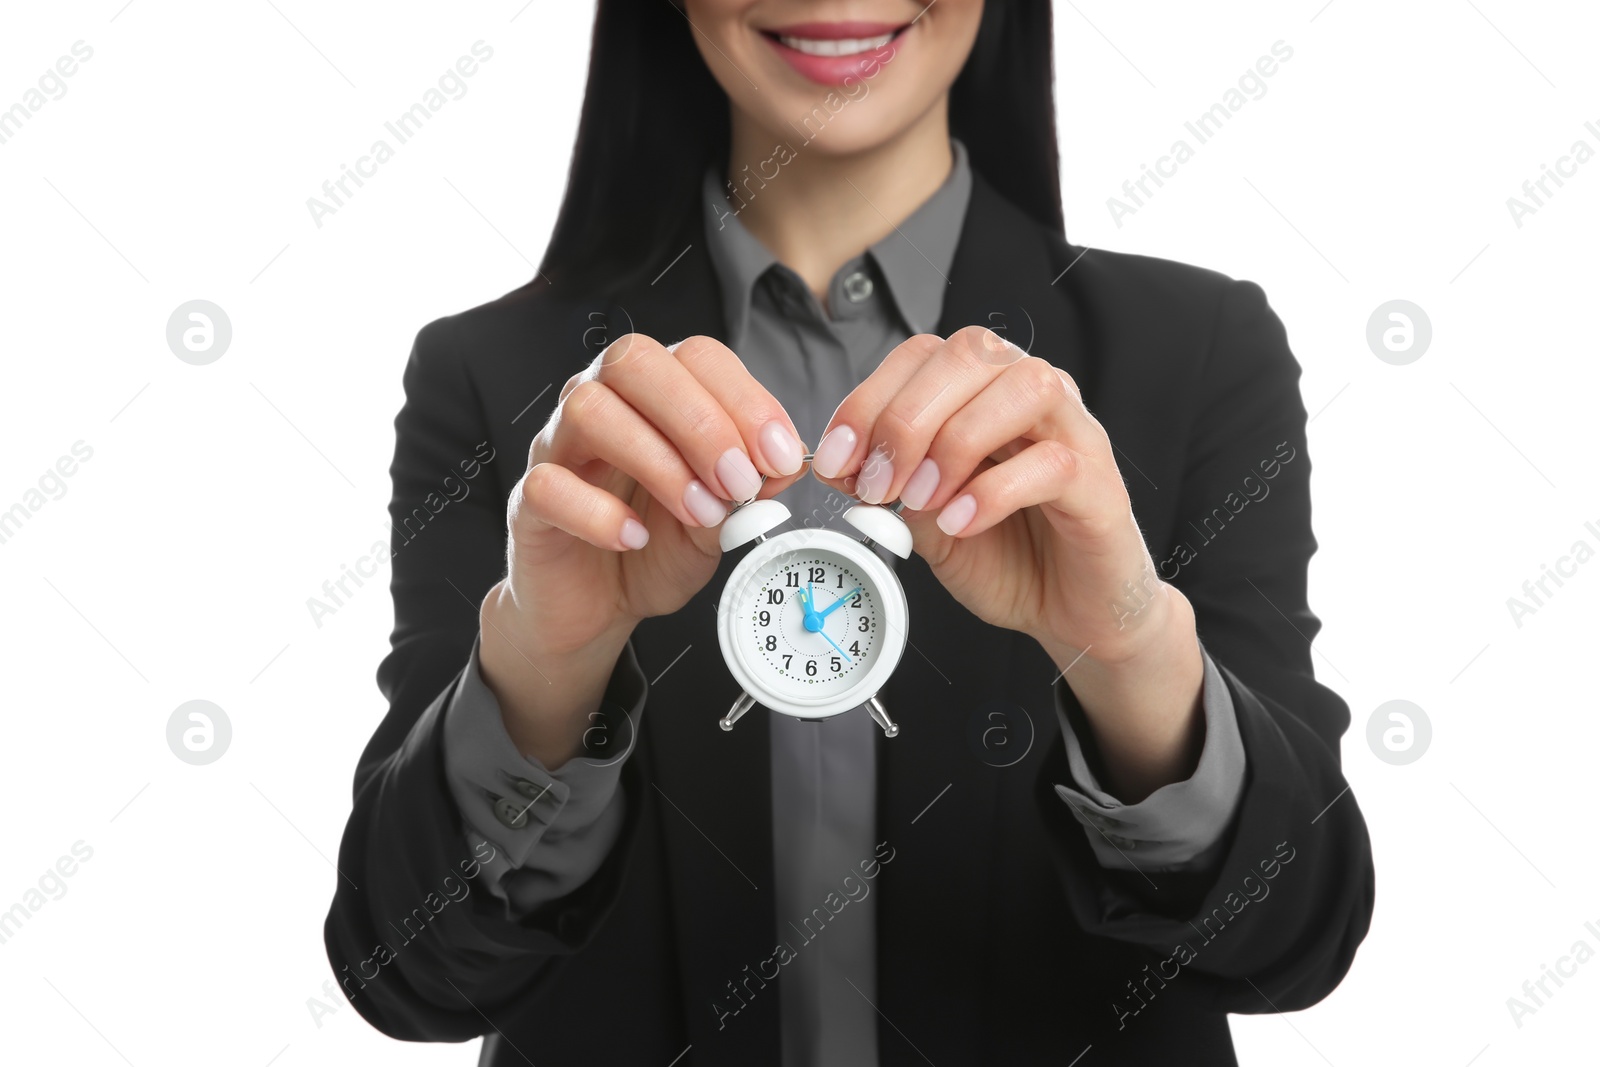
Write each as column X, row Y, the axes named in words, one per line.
column 834, row 606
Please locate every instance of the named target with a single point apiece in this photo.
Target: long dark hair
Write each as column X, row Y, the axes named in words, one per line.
column 654, row 119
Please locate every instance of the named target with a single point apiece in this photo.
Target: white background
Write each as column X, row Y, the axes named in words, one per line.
column 219, row 498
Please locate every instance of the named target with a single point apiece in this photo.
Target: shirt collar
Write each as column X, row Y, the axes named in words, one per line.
column 738, row 258
column 914, row 259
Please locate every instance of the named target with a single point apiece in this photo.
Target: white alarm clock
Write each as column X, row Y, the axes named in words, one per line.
column 811, row 622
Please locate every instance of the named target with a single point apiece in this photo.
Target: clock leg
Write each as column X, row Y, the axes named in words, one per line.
column 880, row 715
column 740, row 706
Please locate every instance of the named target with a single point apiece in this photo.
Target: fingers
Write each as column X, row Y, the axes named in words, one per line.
column 922, row 423
column 594, row 423
column 551, row 497
column 1030, row 401
column 1046, row 472
column 689, row 424
column 844, row 445
column 895, row 418
column 699, row 395
column 768, row 434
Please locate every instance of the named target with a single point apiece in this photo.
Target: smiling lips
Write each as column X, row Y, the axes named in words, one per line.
column 832, row 53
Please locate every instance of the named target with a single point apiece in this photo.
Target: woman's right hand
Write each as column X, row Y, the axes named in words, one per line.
column 614, row 522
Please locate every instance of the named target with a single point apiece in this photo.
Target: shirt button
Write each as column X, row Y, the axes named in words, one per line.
column 857, row 286
column 512, row 814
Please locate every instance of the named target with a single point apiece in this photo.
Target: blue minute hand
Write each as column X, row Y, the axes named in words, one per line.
column 836, row 647
column 841, row 600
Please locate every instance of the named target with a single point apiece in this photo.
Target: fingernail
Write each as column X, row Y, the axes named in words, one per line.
column 921, row 485
column 738, row 475
column 876, row 474
column 780, row 448
column 633, row 534
column 957, row 515
column 834, row 452
column 703, row 504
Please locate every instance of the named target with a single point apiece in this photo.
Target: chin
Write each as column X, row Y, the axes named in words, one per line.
column 856, row 127
column 857, row 115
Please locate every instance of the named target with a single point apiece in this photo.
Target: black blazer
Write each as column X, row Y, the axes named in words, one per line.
column 1000, row 939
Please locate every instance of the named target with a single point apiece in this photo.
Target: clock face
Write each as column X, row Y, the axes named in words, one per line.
column 812, row 624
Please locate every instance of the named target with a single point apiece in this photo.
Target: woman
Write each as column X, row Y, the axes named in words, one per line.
column 837, row 227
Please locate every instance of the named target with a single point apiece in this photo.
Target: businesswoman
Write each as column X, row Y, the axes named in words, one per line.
column 816, row 250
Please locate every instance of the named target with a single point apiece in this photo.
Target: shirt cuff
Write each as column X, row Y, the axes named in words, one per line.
column 551, row 829
column 1180, row 826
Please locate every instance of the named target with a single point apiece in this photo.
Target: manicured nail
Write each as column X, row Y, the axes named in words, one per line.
column 780, row 447
column 876, row 474
column 738, row 475
column 921, row 485
column 703, row 504
column 633, row 534
column 834, row 452
column 957, row 515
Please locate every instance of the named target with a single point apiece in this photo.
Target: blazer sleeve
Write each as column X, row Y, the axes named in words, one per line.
column 1273, row 924
column 421, row 947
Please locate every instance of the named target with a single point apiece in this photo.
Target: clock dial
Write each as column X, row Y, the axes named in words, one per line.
column 814, row 623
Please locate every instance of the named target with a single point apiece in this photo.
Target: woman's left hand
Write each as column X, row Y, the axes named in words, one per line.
column 1014, row 498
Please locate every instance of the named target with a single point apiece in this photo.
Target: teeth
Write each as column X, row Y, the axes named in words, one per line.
column 814, row 47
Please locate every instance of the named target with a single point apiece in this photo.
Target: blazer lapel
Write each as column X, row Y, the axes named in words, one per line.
column 1005, row 277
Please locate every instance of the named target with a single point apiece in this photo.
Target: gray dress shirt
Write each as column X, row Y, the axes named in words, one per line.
column 552, row 829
